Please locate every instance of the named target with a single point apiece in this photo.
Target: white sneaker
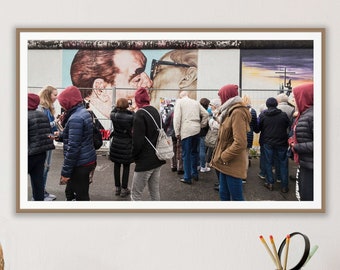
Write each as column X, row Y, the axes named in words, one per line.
column 49, row 196
column 46, row 199
column 205, row 169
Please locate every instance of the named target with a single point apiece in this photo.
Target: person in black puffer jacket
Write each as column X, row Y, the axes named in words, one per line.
column 79, row 154
column 39, row 142
column 121, row 144
column 302, row 140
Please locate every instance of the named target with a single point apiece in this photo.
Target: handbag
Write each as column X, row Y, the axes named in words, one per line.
column 211, row 138
column 97, row 134
column 97, row 138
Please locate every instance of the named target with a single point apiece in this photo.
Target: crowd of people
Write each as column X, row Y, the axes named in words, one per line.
column 207, row 135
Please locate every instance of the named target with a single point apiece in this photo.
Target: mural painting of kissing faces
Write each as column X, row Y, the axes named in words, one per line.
column 97, row 72
column 174, row 72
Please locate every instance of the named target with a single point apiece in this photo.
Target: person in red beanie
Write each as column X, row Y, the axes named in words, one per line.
column 231, row 156
column 148, row 166
column 302, row 142
column 79, row 153
column 39, row 142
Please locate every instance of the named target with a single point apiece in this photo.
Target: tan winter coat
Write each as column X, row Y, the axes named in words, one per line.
column 189, row 117
column 230, row 156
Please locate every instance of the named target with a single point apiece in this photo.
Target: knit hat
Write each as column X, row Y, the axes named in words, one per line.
column 33, row 101
column 228, row 91
column 142, row 97
column 271, row 102
column 69, row 97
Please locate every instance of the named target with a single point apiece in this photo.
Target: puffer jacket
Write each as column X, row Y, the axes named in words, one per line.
column 121, row 143
column 304, row 135
column 78, row 140
column 38, row 131
column 230, row 156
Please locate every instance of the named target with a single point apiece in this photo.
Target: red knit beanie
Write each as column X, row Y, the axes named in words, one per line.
column 142, row 97
column 69, row 97
column 33, row 101
column 228, row 91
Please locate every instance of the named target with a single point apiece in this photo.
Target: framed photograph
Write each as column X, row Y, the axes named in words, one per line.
column 108, row 65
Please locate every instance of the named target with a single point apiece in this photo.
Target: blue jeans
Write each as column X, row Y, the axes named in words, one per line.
column 262, row 161
column 231, row 188
column 282, row 162
column 47, row 166
column 277, row 168
column 202, row 149
column 190, row 156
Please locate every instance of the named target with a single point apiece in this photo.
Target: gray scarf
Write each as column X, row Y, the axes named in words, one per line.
column 227, row 105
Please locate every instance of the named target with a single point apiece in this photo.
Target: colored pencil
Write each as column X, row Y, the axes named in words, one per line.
column 311, row 253
column 277, row 259
column 268, row 249
column 286, row 253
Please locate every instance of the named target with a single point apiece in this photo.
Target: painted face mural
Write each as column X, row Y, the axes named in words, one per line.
column 98, row 72
column 175, row 71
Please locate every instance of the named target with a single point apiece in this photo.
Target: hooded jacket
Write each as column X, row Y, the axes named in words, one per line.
column 77, row 136
column 38, row 131
column 143, row 153
column 38, row 128
column 273, row 125
column 230, row 156
column 304, row 125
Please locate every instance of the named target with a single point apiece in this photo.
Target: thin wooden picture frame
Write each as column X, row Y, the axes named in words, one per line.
column 34, row 44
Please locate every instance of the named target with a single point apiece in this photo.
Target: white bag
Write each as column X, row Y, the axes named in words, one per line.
column 164, row 147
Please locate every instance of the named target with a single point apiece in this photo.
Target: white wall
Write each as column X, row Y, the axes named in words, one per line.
column 215, row 68
column 163, row 241
column 45, row 67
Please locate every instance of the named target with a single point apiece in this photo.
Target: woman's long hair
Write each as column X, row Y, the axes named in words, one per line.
column 45, row 98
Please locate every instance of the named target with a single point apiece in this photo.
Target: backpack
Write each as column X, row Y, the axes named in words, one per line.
column 211, row 138
column 164, row 148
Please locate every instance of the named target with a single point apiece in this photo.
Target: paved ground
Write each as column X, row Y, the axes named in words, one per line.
column 102, row 188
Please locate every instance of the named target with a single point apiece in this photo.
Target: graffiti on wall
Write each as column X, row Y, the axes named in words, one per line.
column 105, row 71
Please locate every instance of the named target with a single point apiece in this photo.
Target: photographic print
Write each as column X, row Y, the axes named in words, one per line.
column 111, row 67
